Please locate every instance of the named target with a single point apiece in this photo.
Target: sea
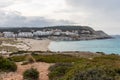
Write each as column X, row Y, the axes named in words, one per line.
column 108, row 46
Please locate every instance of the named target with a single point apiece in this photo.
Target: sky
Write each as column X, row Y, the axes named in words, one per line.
column 98, row 14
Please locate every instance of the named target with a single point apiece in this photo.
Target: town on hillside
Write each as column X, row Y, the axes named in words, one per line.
column 76, row 33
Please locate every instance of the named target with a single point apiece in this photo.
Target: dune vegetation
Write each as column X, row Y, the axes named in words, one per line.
column 73, row 67
column 7, row 65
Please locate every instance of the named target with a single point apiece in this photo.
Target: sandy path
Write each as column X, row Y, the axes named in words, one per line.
column 41, row 67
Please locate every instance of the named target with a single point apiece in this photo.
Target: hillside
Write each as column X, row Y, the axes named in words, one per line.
column 65, row 32
column 63, row 28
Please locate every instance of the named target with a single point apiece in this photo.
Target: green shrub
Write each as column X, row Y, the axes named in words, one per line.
column 92, row 74
column 105, row 67
column 51, row 58
column 31, row 74
column 17, row 58
column 55, row 58
column 58, row 70
column 7, row 65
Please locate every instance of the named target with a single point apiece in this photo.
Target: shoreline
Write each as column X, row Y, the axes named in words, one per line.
column 27, row 44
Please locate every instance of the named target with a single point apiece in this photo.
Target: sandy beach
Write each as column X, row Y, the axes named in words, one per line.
column 36, row 45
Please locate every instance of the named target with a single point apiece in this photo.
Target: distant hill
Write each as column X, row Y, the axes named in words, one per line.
column 63, row 28
column 85, row 32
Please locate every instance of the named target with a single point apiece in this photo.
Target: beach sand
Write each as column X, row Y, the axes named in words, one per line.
column 36, row 45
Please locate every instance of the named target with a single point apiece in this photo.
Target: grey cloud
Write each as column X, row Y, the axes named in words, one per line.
column 15, row 19
column 98, row 4
column 5, row 3
column 100, row 14
column 97, row 7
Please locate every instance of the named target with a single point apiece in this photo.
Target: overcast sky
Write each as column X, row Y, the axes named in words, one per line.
column 99, row 14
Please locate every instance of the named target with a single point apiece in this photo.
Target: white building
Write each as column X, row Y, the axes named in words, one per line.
column 25, row 35
column 67, row 33
column 9, row 35
column 57, row 33
column 85, row 32
column 42, row 33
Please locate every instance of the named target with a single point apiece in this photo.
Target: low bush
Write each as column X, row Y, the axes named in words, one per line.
column 7, row 65
column 31, row 74
column 55, row 58
column 105, row 67
column 52, row 58
column 93, row 74
column 17, row 58
column 59, row 70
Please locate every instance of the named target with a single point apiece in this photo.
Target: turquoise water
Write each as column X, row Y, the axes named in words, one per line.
column 106, row 46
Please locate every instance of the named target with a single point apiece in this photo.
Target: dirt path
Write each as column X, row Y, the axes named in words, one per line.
column 41, row 67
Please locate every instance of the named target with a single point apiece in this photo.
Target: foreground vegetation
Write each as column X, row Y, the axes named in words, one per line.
column 53, row 58
column 7, row 65
column 31, row 74
column 100, row 68
column 72, row 67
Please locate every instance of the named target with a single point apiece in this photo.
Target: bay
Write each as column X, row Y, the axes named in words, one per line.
column 107, row 46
